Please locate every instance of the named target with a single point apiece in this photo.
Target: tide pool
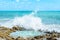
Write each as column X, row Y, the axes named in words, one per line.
column 26, row 34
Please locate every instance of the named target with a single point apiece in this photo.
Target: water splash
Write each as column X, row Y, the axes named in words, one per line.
column 28, row 21
column 31, row 22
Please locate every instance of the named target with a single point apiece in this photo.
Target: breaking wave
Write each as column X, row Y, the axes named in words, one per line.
column 31, row 22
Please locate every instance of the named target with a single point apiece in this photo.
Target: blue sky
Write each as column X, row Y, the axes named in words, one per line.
column 29, row 4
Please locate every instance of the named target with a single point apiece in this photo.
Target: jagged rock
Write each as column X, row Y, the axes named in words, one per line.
column 19, row 38
column 9, row 38
column 37, row 37
column 4, row 32
column 49, row 38
column 15, row 28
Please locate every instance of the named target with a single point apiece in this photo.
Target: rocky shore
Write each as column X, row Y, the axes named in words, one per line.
column 5, row 32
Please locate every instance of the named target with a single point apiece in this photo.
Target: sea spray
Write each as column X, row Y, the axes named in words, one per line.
column 27, row 21
column 30, row 21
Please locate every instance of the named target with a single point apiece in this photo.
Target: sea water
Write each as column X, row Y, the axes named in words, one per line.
column 26, row 34
column 41, row 20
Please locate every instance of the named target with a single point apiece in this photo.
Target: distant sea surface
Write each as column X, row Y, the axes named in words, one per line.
column 48, row 17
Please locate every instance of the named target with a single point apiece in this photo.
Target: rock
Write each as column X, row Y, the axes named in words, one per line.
column 33, row 39
column 15, row 28
column 2, row 38
column 37, row 37
column 19, row 38
column 9, row 38
column 4, row 32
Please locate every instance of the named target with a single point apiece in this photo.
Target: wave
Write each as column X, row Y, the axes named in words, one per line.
column 31, row 22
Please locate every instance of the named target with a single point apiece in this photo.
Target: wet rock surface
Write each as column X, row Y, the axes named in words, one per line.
column 5, row 32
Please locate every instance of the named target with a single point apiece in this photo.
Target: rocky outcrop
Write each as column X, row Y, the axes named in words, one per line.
column 5, row 32
column 15, row 28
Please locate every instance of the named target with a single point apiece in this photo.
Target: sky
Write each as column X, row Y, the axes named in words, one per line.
column 30, row 5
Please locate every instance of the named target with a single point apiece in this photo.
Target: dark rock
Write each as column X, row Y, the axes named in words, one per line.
column 49, row 38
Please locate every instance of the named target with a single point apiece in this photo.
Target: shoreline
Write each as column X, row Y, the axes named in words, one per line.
column 5, row 32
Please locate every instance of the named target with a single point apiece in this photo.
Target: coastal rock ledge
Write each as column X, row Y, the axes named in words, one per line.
column 5, row 32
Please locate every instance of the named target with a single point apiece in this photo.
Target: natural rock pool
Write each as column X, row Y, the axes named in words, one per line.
column 26, row 34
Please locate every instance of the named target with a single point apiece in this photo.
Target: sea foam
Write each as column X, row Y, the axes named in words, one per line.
column 31, row 22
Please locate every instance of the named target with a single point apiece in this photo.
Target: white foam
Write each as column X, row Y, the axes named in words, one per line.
column 30, row 21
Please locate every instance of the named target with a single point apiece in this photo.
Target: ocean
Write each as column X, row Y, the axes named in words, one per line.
column 44, row 20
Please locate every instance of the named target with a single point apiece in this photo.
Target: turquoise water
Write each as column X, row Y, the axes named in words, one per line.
column 48, row 17
column 40, row 20
column 26, row 34
column 12, row 14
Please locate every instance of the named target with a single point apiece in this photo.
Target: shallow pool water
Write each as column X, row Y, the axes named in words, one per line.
column 26, row 34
